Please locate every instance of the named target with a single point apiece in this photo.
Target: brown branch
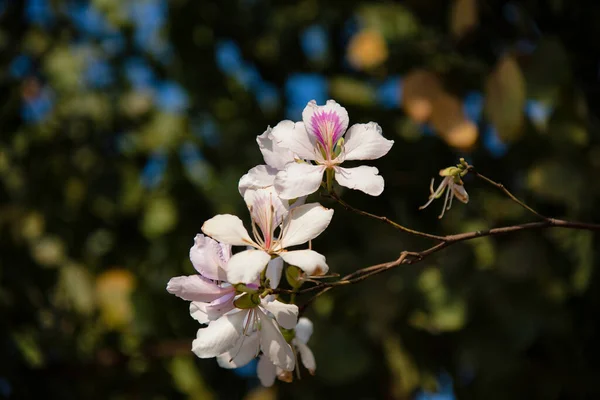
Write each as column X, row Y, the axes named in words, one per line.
column 407, row 257
column 388, row 221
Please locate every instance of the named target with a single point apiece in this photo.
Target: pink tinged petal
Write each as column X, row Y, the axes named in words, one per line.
column 365, row 142
column 460, row 193
column 266, row 371
column 209, row 257
column 272, row 343
column 245, row 267
column 241, row 354
column 361, row 178
column 274, row 155
column 304, row 329
column 306, row 355
column 261, row 176
column 299, row 179
column 308, row 261
column 195, row 288
column 294, row 137
column 220, row 335
column 225, row 254
column 285, row 314
column 228, row 229
column 326, row 123
column 220, row 306
column 305, row 223
column 206, row 312
column 274, row 270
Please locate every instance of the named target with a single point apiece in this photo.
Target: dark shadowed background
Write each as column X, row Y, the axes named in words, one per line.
column 126, row 124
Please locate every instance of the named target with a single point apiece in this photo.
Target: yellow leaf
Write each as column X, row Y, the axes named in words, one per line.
column 420, row 89
column 367, row 49
column 352, row 91
column 113, row 290
column 463, row 17
column 505, row 98
column 403, row 368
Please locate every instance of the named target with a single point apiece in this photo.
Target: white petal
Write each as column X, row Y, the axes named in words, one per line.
column 229, row 229
column 304, row 329
column 361, row 178
column 330, row 107
column 365, row 142
column 298, row 179
column 294, row 137
column 273, row 344
column 274, row 270
column 306, row 355
column 220, row 335
column 241, row 354
column 209, row 257
column 285, row 314
column 275, row 156
column 196, row 288
column 305, row 223
column 266, row 371
column 261, row 176
column 297, row 202
column 308, row 261
column 245, row 267
column 198, row 312
column 460, row 193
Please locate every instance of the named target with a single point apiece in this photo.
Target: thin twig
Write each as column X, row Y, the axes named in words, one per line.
column 407, row 257
column 506, row 191
column 388, row 221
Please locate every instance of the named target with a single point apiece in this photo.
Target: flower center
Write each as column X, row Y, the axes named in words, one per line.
column 327, row 128
column 264, row 216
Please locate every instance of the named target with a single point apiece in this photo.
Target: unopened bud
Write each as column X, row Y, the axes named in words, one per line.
column 246, row 301
column 450, row 171
column 293, row 276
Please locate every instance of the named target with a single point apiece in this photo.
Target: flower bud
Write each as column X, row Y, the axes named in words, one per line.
column 247, row 300
column 450, row 171
column 293, row 276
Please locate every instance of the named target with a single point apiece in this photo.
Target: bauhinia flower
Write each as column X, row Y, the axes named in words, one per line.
column 238, row 336
column 276, row 158
column 267, row 371
column 319, row 139
column 275, row 228
column 452, row 180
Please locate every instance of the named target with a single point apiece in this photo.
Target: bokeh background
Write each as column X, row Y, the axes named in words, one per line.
column 126, row 124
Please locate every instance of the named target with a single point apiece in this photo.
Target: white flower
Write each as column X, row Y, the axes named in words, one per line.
column 269, row 215
column 267, row 371
column 455, row 189
column 210, row 259
column 276, row 158
column 237, row 336
column 319, row 138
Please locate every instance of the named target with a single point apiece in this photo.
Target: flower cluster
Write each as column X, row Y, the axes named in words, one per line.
column 235, row 295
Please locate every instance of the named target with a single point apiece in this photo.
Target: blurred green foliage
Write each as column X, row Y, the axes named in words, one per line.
column 123, row 129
